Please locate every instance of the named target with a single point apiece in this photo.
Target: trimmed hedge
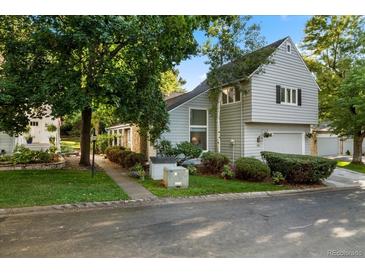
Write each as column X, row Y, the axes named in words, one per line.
column 299, row 168
column 124, row 157
column 251, row 169
column 214, row 162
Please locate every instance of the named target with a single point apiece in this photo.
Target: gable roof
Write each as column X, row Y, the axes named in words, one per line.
column 174, row 102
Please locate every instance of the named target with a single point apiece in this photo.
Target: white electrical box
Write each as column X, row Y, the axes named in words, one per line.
column 176, row 177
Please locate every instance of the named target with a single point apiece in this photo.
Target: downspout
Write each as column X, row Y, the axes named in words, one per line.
column 219, row 122
column 241, row 124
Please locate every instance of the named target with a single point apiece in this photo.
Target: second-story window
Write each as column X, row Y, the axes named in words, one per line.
column 288, row 96
column 33, row 123
column 230, row 96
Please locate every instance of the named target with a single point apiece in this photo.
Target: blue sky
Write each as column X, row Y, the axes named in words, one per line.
column 273, row 28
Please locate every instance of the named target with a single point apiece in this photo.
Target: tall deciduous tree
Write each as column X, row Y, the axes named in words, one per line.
column 347, row 112
column 332, row 44
column 72, row 62
column 171, row 82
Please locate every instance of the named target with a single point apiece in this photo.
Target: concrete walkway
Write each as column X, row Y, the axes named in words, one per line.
column 134, row 190
column 341, row 178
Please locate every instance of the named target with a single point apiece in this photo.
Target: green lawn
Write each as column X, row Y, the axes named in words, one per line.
column 69, row 144
column 351, row 166
column 203, row 185
column 46, row 187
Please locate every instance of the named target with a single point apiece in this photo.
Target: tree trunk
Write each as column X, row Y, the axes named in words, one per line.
column 85, row 136
column 357, row 155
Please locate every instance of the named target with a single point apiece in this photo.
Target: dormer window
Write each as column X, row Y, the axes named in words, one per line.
column 230, row 96
column 288, row 48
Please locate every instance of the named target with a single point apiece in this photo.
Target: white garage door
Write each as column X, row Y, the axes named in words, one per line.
column 6, row 143
column 327, row 146
column 291, row 143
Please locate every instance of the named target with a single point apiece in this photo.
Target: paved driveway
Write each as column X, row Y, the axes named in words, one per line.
column 341, row 178
column 318, row 224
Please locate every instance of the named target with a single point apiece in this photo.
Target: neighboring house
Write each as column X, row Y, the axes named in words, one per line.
column 39, row 133
column 330, row 144
column 280, row 100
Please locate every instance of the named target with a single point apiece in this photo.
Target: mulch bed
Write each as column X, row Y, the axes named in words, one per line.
column 72, row 162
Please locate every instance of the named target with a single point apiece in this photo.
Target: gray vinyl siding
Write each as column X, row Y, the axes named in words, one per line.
column 231, row 129
column 286, row 70
column 179, row 121
column 253, row 130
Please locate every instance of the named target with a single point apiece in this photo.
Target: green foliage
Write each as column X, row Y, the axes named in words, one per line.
column 214, row 162
column 5, row 158
column 228, row 39
column 164, row 148
column 277, row 177
column 186, row 151
column 124, row 157
column 192, row 170
column 182, row 152
column 72, row 63
column 333, row 44
column 251, row 169
column 103, row 141
column 227, row 172
column 299, row 168
column 52, row 140
column 51, row 128
column 171, row 82
column 131, row 159
column 23, row 155
column 138, row 171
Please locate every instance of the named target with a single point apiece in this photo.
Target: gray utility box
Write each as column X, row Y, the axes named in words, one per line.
column 157, row 164
column 176, row 177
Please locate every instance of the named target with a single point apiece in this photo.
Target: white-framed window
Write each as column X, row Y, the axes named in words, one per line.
column 33, row 123
column 288, row 96
column 230, row 96
column 288, row 48
column 198, row 127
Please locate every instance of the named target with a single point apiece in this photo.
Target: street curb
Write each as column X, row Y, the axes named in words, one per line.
column 139, row 203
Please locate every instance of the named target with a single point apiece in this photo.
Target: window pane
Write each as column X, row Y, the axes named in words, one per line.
column 238, row 96
column 198, row 117
column 294, row 96
column 282, row 95
column 288, row 97
column 198, row 136
column 231, row 96
column 224, row 98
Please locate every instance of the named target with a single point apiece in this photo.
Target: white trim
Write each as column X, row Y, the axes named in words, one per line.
column 286, row 96
column 200, row 126
column 226, row 89
column 288, row 132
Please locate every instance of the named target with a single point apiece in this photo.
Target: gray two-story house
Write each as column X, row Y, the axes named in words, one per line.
column 274, row 113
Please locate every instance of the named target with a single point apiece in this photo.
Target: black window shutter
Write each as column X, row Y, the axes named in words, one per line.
column 277, row 94
column 299, row 97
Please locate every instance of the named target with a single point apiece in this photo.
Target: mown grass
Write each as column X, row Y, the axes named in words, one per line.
column 46, row 187
column 351, row 166
column 203, row 185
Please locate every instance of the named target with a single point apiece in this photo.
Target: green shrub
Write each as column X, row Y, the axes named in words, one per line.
column 23, row 155
column 299, row 168
column 51, row 128
column 137, row 171
column 186, row 151
column 132, row 158
column 227, row 172
column 214, row 162
column 5, row 158
column 165, row 149
column 102, row 142
column 112, row 153
column 277, row 177
column 251, row 169
column 192, row 170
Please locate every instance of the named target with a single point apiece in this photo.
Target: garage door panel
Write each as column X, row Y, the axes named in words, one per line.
column 327, row 146
column 291, row 143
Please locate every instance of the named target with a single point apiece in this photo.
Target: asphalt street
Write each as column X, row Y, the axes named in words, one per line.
column 320, row 224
